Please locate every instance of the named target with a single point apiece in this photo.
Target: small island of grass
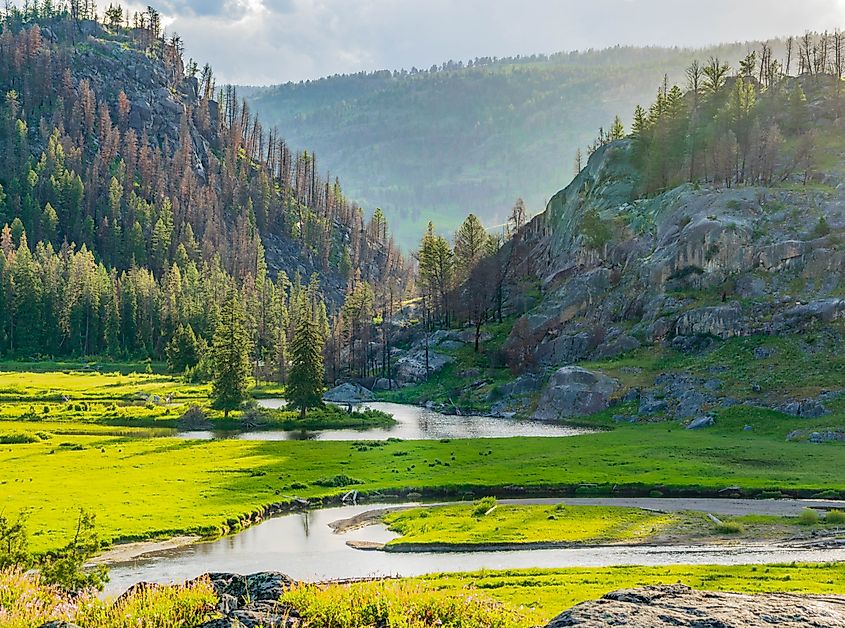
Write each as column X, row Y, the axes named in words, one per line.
column 485, row 524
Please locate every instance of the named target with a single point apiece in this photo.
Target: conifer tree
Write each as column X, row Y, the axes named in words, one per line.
column 305, row 380
column 230, row 356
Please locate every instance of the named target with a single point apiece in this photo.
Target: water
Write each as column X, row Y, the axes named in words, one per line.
column 303, row 546
column 412, row 423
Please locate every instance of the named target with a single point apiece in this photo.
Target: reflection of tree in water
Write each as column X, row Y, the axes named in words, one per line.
column 306, row 522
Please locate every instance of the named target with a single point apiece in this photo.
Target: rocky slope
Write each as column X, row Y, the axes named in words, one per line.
column 686, row 270
column 677, row 605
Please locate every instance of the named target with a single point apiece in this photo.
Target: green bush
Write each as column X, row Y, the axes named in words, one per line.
column 483, row 505
column 835, row 517
column 338, row 481
column 18, row 439
column 809, row 517
column 730, row 527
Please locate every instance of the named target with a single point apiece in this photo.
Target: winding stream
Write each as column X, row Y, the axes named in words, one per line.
column 412, row 423
column 303, row 546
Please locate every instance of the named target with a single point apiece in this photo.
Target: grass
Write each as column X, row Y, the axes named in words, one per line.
column 25, row 603
column 149, row 400
column 151, row 487
column 405, row 603
column 543, row 594
column 463, row 525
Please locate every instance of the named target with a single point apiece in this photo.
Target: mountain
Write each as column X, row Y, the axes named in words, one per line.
column 459, row 138
column 133, row 199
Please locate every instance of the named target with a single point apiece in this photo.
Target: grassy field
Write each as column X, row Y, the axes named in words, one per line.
column 131, row 399
column 105, row 448
column 469, row 524
column 146, row 487
column 543, row 594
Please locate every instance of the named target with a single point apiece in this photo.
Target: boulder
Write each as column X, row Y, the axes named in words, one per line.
column 349, row 393
column 677, row 605
column 701, row 423
column 411, row 367
column 573, row 391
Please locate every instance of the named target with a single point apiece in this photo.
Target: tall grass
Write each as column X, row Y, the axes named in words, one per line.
column 397, row 604
column 25, row 603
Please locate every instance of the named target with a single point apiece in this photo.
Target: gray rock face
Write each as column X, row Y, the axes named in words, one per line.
column 677, row 605
column 724, row 321
column 810, row 409
column 411, row 367
column 573, row 392
column 348, row 393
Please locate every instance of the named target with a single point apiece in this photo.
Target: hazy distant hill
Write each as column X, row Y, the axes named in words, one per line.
column 468, row 137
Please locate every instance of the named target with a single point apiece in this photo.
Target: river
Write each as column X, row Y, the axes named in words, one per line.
column 303, row 546
column 412, row 423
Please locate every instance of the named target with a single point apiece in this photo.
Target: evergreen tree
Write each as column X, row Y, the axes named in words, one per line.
column 305, row 380
column 230, row 356
column 470, row 243
column 184, row 350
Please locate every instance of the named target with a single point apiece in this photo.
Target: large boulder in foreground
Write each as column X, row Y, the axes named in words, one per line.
column 678, row 605
column 575, row 392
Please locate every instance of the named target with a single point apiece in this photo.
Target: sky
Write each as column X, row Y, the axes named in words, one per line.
column 274, row 41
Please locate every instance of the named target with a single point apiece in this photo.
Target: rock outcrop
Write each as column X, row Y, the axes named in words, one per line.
column 678, row 605
column 349, row 393
column 573, row 392
column 252, row 601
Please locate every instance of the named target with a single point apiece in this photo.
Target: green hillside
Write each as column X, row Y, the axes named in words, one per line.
column 436, row 144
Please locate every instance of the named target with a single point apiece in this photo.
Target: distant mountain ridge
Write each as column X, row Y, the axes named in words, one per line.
column 459, row 138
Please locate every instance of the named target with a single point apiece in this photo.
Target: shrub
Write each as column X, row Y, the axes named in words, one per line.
column 808, row 517
column 730, row 527
column 483, row 506
column 18, row 439
column 835, row 517
column 337, row 481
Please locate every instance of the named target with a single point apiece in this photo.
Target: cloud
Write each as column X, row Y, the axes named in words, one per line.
column 272, row 41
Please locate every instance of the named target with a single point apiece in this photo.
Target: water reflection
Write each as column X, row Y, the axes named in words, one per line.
column 412, row 423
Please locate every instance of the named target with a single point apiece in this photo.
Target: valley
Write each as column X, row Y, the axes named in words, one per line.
column 232, row 396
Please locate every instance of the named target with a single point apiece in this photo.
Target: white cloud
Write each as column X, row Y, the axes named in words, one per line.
column 270, row 41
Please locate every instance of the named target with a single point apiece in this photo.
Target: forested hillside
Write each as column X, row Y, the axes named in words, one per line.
column 136, row 197
column 436, row 144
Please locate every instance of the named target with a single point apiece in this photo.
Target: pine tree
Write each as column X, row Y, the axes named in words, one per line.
column 230, row 356
column 305, row 380
column 470, row 243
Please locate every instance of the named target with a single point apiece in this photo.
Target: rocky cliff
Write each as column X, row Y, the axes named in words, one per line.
column 692, row 266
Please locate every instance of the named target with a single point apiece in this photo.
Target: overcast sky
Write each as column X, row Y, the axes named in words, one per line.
column 274, row 41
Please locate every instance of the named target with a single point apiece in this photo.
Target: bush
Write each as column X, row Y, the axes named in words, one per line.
column 483, row 506
column 18, row 439
column 809, row 517
column 730, row 527
column 338, row 481
column 65, row 568
column 193, row 417
column 835, row 517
